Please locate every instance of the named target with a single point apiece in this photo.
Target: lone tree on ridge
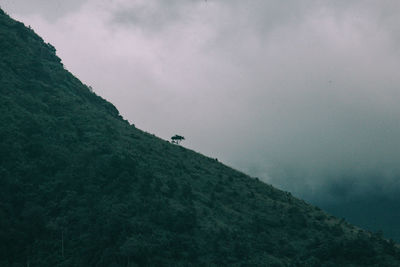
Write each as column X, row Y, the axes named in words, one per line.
column 176, row 139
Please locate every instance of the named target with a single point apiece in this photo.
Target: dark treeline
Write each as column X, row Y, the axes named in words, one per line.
column 80, row 186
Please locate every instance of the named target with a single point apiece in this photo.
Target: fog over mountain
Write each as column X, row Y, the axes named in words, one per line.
column 302, row 94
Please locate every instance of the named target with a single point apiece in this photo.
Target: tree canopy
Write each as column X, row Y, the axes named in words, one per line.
column 176, row 139
column 80, row 186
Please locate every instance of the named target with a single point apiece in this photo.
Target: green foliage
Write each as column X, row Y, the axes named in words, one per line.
column 79, row 186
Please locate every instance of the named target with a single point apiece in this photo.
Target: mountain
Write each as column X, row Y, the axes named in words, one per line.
column 80, row 186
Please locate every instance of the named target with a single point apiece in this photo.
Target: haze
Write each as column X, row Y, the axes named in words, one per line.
column 302, row 94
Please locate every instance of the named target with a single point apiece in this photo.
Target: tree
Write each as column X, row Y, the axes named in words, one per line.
column 176, row 139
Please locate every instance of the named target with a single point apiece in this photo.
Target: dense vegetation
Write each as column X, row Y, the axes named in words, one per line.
column 80, row 186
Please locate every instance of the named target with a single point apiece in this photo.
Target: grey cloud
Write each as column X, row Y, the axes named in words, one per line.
column 303, row 94
column 152, row 15
column 51, row 10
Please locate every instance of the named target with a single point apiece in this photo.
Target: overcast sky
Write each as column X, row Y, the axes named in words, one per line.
column 303, row 94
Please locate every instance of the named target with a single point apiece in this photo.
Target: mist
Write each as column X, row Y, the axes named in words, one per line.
column 303, row 95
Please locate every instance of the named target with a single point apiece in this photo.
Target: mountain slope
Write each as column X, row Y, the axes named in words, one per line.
column 80, row 186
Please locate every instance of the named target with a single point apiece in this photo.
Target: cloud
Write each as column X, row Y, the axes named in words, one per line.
column 303, row 94
column 50, row 10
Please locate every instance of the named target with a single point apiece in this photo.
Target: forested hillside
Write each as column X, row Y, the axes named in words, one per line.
column 80, row 186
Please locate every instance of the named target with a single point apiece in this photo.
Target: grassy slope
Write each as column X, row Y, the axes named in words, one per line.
column 74, row 174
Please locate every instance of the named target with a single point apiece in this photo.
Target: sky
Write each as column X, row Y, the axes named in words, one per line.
column 302, row 94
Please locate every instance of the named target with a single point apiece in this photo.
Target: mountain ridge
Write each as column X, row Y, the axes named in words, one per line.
column 80, row 186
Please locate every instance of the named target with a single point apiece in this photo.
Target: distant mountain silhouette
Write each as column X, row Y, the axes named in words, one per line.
column 80, row 186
